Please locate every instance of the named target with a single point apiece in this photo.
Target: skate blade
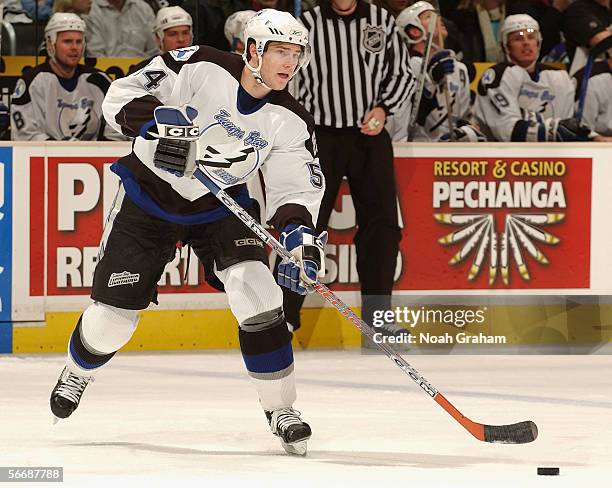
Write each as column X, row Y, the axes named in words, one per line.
column 296, row 448
column 55, row 419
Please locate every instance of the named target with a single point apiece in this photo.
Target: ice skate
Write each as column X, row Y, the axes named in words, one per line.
column 67, row 393
column 289, row 427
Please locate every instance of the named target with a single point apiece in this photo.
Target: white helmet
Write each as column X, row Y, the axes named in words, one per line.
column 61, row 22
column 235, row 24
column 409, row 17
column 519, row 22
column 170, row 17
column 270, row 25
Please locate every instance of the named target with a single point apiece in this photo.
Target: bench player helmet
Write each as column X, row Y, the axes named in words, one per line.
column 170, row 17
column 409, row 17
column 270, row 25
column 519, row 23
column 234, row 26
column 61, row 22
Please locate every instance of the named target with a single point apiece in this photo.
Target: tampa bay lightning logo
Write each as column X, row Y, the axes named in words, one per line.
column 184, row 53
column 20, row 88
column 488, row 77
column 228, row 154
column 74, row 119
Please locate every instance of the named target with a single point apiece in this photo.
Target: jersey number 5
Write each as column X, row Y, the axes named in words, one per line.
column 316, row 176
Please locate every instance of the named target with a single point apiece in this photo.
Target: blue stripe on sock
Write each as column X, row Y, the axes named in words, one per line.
column 269, row 362
column 80, row 361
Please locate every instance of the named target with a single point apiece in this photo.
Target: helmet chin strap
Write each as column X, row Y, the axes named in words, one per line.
column 256, row 72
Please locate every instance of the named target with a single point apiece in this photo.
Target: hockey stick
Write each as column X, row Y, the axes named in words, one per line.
column 447, row 97
column 418, row 94
column 519, row 433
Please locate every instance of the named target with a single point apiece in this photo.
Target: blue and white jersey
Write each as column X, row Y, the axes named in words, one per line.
column 514, row 105
column 47, row 107
column 239, row 135
column 598, row 101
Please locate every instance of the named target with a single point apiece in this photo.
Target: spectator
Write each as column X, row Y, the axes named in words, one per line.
column 598, row 102
column 14, row 13
column 413, row 24
column 479, row 22
column 61, row 99
column 586, row 25
column 234, row 29
column 39, row 10
column 79, row 7
column 548, row 14
column 209, row 22
column 172, row 31
column 120, row 28
column 366, row 81
column 231, row 6
column 521, row 100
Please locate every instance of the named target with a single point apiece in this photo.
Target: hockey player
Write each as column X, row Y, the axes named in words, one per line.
column 234, row 29
column 522, row 100
column 61, row 99
column 173, row 30
column 598, row 103
column 238, row 110
column 442, row 68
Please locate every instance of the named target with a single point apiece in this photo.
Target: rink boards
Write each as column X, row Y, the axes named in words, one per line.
column 498, row 232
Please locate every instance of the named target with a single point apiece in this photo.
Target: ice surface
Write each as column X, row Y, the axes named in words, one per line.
column 178, row 419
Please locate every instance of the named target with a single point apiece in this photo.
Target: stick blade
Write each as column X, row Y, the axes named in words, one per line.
column 519, row 433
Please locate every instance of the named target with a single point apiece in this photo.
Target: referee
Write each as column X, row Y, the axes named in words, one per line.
column 356, row 78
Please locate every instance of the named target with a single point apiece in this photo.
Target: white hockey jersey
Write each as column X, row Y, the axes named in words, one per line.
column 274, row 134
column 512, row 105
column 47, row 107
column 435, row 123
column 597, row 112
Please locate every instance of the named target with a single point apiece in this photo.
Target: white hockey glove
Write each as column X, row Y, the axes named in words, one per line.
column 308, row 251
column 177, row 134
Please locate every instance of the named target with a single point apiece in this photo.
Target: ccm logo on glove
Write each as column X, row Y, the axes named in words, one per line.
column 174, row 131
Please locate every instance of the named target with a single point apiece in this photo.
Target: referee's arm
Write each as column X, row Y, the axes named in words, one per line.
column 398, row 82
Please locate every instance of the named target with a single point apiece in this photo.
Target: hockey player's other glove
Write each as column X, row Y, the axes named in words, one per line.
column 308, row 251
column 464, row 132
column 440, row 65
column 568, row 130
column 177, row 133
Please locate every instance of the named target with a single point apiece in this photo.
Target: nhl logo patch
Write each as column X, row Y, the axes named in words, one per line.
column 373, row 38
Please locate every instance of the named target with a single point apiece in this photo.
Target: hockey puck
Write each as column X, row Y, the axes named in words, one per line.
column 548, row 471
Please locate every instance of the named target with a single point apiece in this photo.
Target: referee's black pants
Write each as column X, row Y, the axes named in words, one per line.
column 367, row 163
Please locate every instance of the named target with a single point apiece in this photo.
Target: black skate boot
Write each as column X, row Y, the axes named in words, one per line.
column 289, row 427
column 67, row 393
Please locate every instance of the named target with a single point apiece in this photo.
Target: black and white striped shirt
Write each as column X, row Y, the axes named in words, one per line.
column 358, row 62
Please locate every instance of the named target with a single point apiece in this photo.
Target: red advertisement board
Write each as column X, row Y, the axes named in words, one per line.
column 495, row 223
column 467, row 224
